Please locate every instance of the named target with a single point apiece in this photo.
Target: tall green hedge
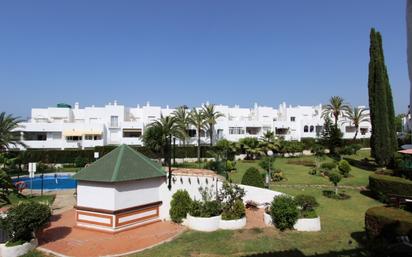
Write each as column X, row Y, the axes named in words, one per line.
column 70, row 155
column 383, row 185
column 387, row 222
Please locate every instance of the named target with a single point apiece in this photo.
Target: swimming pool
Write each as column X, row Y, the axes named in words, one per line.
column 50, row 182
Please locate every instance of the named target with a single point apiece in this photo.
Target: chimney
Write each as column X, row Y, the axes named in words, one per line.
column 115, row 103
column 76, row 105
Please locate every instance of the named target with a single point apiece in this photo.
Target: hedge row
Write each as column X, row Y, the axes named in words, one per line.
column 69, row 155
column 387, row 222
column 384, row 185
column 308, row 142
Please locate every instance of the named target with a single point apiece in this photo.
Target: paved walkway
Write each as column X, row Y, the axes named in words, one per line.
column 63, row 238
column 254, row 218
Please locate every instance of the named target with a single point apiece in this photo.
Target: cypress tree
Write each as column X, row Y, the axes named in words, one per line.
column 382, row 114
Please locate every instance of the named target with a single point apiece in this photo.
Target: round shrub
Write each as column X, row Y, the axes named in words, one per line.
column 344, row 168
column 328, row 165
column 25, row 219
column 284, row 212
column 252, row 177
column 205, row 209
column 236, row 212
column 180, row 205
column 387, row 222
column 277, row 175
column 306, row 202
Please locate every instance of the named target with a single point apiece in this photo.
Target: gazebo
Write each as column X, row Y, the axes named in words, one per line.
column 119, row 191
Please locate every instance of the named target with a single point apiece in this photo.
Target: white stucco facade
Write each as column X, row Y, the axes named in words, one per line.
column 61, row 128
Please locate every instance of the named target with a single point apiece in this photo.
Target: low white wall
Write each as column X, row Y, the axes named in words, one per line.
column 192, row 183
column 203, row 224
column 300, row 225
column 308, row 224
column 17, row 250
column 268, row 219
column 232, row 224
column 259, row 195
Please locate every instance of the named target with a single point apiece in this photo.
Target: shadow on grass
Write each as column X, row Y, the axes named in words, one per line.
column 363, row 164
column 298, row 253
column 331, row 194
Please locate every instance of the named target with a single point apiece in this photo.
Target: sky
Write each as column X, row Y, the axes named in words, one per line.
column 189, row 52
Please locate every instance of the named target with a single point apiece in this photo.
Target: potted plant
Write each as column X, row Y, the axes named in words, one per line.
column 233, row 209
column 204, row 215
column 308, row 219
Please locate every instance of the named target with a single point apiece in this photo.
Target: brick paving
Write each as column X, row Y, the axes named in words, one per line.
column 64, row 238
column 254, row 218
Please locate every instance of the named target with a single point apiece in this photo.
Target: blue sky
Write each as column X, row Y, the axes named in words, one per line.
column 188, row 52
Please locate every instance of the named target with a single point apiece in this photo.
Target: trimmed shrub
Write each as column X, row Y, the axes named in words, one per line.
column 328, row 165
column 252, row 177
column 24, row 219
column 387, row 222
column 231, row 198
column 205, row 209
column 344, row 168
column 180, row 205
column 306, row 202
column 284, row 212
column 237, row 211
column 277, row 175
column 384, row 185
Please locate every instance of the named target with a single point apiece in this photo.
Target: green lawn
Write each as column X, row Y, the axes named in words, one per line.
column 298, row 174
column 15, row 199
column 342, row 222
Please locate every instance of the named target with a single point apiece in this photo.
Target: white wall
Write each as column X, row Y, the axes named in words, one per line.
column 95, row 195
column 135, row 193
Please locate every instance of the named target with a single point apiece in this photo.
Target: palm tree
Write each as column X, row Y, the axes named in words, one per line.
column 6, row 185
column 182, row 120
column 356, row 116
column 211, row 116
column 165, row 128
column 252, row 147
column 197, row 119
column 268, row 141
column 334, row 108
column 8, row 138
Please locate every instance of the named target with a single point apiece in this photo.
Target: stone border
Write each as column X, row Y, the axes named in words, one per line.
column 304, row 224
column 18, row 250
column 232, row 224
column 203, row 224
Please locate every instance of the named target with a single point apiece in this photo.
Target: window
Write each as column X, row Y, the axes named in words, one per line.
column 114, row 121
column 306, row 128
column 236, row 130
column 350, row 129
column 132, row 132
column 35, row 136
column 312, row 128
column 191, row 132
column 292, row 119
column 73, row 138
column 92, row 137
column 363, row 131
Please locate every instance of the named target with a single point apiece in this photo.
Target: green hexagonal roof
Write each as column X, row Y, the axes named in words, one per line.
column 121, row 164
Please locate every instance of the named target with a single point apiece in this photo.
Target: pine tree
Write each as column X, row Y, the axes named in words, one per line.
column 383, row 139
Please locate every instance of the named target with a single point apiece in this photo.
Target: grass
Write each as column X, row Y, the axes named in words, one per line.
column 342, row 222
column 15, row 199
column 299, row 174
column 342, row 232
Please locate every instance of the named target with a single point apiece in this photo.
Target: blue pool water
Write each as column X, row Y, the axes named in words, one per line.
column 50, row 182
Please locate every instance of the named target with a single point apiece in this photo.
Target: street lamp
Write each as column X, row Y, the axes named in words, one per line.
column 270, row 154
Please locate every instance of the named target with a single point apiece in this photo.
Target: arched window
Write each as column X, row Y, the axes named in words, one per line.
column 305, row 129
column 312, row 128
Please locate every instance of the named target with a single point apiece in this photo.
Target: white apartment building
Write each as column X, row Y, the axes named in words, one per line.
column 66, row 127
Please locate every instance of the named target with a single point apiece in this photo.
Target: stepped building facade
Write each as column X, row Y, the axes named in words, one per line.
column 65, row 127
